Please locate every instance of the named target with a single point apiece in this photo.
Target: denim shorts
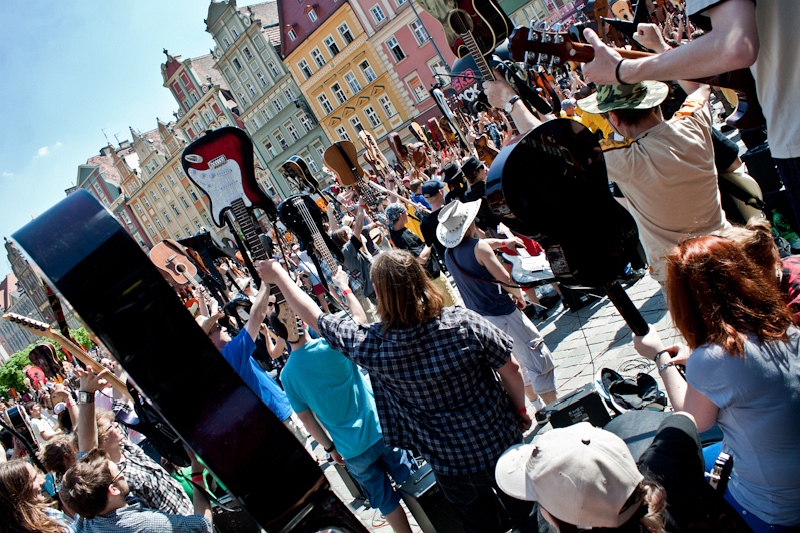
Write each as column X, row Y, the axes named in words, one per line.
column 370, row 469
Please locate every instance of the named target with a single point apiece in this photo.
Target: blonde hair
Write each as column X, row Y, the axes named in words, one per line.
column 406, row 296
column 756, row 240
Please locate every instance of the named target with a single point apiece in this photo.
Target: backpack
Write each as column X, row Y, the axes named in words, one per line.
column 623, row 394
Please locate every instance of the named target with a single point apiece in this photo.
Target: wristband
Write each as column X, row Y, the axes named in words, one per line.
column 329, row 450
column 659, row 354
column 616, row 73
column 665, row 366
column 197, row 478
column 522, row 411
column 346, row 292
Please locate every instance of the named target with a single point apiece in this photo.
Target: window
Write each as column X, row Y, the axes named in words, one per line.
column 420, row 34
column 339, row 93
column 387, row 105
column 420, row 93
column 292, row 131
column 304, row 68
column 320, row 150
column 292, row 35
column 274, row 69
column 330, row 43
column 235, row 33
column 237, row 65
column 312, row 15
column 438, row 67
column 377, row 14
column 325, row 103
column 277, row 105
column 146, row 203
column 161, row 186
column 171, row 179
column 289, row 94
column 394, row 48
column 342, row 133
column 139, row 209
column 227, row 42
column 265, row 114
column 344, row 31
column 251, row 88
column 153, row 195
column 316, row 55
column 158, row 223
column 175, row 210
column 254, row 123
column 281, row 141
column 179, row 171
column 352, row 82
column 401, row 2
column 184, row 202
column 188, row 233
column 193, row 195
column 367, row 70
column 312, row 165
column 305, row 120
column 372, row 116
column 208, row 117
column 208, row 221
column 356, row 123
column 247, row 54
column 197, row 224
column 261, row 78
column 166, row 217
column 195, row 99
column 242, row 98
column 270, row 148
column 151, row 230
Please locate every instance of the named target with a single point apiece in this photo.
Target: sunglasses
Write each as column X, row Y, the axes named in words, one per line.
column 119, row 474
column 270, row 304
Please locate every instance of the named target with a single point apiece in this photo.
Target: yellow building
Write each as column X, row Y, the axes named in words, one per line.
column 339, row 71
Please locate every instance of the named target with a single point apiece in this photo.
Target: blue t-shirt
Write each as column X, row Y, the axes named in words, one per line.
column 420, row 199
column 319, row 378
column 238, row 353
column 758, row 397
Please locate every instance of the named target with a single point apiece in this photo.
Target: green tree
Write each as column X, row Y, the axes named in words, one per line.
column 81, row 336
column 11, row 375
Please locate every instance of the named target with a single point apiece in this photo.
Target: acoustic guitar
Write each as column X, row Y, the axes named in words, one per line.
column 342, row 158
column 296, row 170
column 220, row 163
column 120, row 295
column 485, row 19
column 170, row 257
column 44, row 330
column 535, row 47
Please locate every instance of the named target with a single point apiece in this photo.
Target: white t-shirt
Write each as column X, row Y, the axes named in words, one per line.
column 775, row 70
column 40, row 425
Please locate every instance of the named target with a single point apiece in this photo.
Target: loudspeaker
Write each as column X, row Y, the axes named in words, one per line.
column 583, row 404
column 427, row 503
column 352, row 485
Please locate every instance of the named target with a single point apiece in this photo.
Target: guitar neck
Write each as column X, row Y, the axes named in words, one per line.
column 44, row 330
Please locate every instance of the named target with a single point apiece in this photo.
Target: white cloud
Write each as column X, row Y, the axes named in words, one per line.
column 58, row 144
column 43, row 151
column 7, row 174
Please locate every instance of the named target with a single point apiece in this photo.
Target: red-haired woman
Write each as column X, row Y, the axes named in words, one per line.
column 743, row 372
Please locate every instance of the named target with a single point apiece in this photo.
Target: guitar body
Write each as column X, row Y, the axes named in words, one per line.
column 221, row 164
column 398, row 148
column 487, row 21
column 101, row 271
column 302, row 217
column 564, row 203
column 486, row 153
column 19, row 420
column 170, row 258
column 438, row 137
column 296, row 170
column 343, row 161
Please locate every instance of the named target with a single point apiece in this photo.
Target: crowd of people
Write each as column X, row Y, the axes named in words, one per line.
column 418, row 347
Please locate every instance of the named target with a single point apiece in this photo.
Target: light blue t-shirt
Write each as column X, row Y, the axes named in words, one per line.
column 238, row 353
column 319, row 378
column 758, row 396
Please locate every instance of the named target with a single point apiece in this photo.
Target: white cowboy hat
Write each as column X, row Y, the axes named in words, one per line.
column 454, row 220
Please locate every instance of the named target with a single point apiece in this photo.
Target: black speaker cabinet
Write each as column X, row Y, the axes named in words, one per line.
column 580, row 405
column 427, row 503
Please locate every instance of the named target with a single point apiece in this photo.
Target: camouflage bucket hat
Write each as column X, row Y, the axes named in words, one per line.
column 642, row 95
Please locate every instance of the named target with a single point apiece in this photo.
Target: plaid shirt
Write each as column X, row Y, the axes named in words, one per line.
column 151, row 484
column 435, row 387
column 136, row 519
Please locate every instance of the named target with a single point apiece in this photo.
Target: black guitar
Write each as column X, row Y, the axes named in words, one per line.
column 303, row 217
column 221, row 164
column 552, row 186
column 101, row 271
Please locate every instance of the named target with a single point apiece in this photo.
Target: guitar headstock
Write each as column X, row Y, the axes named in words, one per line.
column 28, row 323
column 546, row 47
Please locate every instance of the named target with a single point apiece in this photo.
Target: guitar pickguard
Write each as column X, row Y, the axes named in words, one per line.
column 223, row 185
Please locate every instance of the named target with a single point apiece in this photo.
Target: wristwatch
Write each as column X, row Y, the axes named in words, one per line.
column 510, row 104
column 85, row 397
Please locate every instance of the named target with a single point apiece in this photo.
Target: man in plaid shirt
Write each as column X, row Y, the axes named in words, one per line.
column 444, row 379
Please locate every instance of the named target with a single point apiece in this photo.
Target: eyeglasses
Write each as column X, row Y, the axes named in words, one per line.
column 119, row 474
column 107, row 430
column 270, row 304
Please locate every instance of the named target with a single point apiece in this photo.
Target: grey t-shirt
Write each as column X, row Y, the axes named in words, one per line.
column 758, row 396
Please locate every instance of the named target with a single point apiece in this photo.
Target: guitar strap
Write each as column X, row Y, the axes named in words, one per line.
column 531, row 97
column 246, row 258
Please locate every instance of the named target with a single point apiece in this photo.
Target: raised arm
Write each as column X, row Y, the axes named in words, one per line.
column 87, row 424
column 258, row 311
column 301, row 303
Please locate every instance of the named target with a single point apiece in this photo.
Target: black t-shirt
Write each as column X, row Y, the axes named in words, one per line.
column 485, row 219
column 405, row 240
column 428, row 226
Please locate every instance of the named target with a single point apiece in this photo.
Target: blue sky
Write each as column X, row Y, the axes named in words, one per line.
column 68, row 71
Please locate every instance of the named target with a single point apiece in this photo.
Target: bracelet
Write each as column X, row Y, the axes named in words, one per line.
column 197, row 478
column 346, row 292
column 329, row 450
column 665, row 366
column 522, row 411
column 616, row 73
column 659, row 354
